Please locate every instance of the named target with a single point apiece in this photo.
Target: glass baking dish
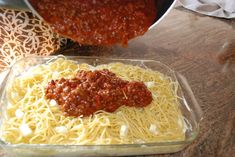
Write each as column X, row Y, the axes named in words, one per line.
column 188, row 105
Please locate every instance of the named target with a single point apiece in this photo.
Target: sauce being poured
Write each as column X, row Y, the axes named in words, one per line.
column 91, row 91
column 98, row 22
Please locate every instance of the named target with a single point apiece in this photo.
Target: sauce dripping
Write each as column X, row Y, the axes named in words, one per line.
column 98, row 22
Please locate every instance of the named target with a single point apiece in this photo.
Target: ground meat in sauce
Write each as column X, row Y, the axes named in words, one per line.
column 98, row 22
column 91, row 91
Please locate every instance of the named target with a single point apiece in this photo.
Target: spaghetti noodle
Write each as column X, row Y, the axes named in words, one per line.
column 33, row 119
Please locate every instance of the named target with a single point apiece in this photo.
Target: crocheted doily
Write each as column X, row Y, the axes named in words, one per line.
column 23, row 34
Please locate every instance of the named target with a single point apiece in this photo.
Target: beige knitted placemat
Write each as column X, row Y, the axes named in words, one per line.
column 23, row 34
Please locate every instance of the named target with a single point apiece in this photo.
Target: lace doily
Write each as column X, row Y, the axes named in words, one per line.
column 23, row 34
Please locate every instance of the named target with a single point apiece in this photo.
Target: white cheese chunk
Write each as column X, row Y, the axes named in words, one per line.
column 61, row 129
column 153, row 129
column 25, row 130
column 149, row 84
column 53, row 102
column 123, row 130
column 19, row 113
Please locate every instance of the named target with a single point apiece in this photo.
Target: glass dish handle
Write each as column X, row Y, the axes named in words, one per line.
column 187, row 92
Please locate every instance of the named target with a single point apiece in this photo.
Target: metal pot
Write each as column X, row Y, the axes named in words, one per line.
column 163, row 7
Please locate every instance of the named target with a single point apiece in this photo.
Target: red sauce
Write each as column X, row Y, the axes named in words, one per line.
column 98, row 22
column 91, row 91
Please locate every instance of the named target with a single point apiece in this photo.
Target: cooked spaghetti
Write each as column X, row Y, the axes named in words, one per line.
column 32, row 119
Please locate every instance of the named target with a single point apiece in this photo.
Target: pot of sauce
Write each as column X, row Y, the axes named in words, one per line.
column 162, row 7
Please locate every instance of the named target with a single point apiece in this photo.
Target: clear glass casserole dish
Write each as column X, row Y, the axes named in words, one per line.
column 188, row 106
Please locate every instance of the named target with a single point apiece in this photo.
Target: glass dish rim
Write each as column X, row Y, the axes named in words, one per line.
column 147, row 144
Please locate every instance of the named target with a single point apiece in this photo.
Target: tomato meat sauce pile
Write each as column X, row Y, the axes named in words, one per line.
column 98, row 22
column 91, row 91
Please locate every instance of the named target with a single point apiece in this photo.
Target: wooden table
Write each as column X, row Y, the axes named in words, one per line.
column 194, row 45
column 201, row 48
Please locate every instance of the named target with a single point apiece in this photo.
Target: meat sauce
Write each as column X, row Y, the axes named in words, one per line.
column 91, row 91
column 98, row 22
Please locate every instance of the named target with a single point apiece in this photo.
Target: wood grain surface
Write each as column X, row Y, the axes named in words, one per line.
column 202, row 49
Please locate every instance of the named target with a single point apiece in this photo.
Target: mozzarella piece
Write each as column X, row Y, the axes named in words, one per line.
column 61, row 129
column 123, row 130
column 153, row 129
column 53, row 102
column 19, row 113
column 25, row 130
column 149, row 84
